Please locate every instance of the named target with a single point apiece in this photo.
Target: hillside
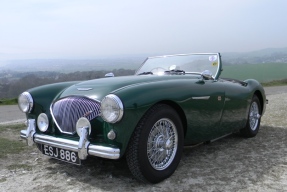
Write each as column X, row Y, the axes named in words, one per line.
column 67, row 65
column 270, row 55
column 263, row 72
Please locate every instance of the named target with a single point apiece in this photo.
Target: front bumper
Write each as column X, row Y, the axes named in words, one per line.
column 83, row 146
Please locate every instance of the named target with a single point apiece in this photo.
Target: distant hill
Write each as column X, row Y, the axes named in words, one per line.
column 270, row 55
column 68, row 66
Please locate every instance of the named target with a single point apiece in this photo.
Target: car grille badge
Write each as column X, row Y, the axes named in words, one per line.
column 88, row 113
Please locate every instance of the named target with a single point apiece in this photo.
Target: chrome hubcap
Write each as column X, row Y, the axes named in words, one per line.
column 162, row 144
column 254, row 116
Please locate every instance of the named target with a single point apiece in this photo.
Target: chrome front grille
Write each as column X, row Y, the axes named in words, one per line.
column 67, row 111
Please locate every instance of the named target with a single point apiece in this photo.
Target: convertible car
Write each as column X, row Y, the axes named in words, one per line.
column 147, row 118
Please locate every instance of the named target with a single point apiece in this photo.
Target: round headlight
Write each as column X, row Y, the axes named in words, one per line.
column 112, row 109
column 43, row 122
column 25, row 102
column 81, row 123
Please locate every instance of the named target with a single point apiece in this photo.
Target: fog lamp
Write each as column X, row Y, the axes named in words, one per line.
column 43, row 122
column 81, row 123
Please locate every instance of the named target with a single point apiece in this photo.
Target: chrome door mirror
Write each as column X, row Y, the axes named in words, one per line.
column 206, row 75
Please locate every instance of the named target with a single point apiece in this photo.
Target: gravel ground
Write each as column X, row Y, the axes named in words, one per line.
column 229, row 164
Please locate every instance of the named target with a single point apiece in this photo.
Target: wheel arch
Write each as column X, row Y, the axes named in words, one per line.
column 180, row 112
column 260, row 97
column 136, row 153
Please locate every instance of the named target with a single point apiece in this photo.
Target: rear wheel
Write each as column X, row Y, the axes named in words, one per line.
column 155, row 149
column 252, row 126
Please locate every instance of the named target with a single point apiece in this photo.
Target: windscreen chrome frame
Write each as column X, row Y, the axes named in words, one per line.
column 216, row 76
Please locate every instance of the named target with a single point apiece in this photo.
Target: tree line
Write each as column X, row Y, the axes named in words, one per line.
column 12, row 84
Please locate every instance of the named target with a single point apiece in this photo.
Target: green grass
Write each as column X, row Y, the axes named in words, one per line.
column 265, row 72
column 12, row 101
column 275, row 83
column 2, row 180
column 10, row 146
column 11, row 128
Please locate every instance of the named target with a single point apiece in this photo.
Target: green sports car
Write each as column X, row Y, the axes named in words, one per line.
column 147, row 118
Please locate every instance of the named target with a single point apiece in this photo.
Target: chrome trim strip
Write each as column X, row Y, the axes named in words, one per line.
column 203, row 97
column 84, row 89
column 184, row 54
column 101, row 151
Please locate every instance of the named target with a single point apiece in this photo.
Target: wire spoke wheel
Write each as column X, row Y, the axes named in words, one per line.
column 155, row 149
column 254, row 117
column 162, row 144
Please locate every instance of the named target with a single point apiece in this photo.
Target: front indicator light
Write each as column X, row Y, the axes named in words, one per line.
column 112, row 135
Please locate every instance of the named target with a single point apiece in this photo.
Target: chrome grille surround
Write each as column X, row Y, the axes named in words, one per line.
column 66, row 112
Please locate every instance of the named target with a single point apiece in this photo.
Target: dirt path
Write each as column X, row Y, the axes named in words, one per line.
column 229, row 164
column 11, row 114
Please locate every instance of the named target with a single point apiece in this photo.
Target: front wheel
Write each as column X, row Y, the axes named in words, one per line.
column 253, row 123
column 155, row 149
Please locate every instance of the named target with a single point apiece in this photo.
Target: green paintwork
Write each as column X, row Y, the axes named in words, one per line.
column 208, row 108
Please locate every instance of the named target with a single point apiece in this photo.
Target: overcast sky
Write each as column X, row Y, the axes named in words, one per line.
column 91, row 28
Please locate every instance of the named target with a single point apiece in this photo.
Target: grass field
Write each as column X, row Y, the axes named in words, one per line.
column 264, row 72
column 12, row 101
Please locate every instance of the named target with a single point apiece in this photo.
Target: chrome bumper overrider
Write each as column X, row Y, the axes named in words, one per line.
column 83, row 146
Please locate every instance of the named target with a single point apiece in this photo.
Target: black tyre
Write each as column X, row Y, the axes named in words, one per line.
column 155, row 148
column 253, row 123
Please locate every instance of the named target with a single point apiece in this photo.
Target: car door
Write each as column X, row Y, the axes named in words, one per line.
column 236, row 106
column 204, row 112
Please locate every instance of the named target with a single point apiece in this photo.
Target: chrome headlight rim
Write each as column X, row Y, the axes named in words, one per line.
column 25, row 102
column 116, row 105
column 43, row 122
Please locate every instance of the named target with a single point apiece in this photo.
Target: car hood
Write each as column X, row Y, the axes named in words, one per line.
column 98, row 88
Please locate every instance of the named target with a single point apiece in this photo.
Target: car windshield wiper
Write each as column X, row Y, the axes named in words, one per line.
column 146, row 73
column 175, row 71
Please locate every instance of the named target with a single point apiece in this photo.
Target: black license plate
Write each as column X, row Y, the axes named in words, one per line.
column 61, row 154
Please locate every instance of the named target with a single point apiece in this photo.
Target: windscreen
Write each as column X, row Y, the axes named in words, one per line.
column 192, row 63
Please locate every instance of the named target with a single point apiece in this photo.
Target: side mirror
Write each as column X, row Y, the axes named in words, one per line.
column 109, row 75
column 206, row 75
